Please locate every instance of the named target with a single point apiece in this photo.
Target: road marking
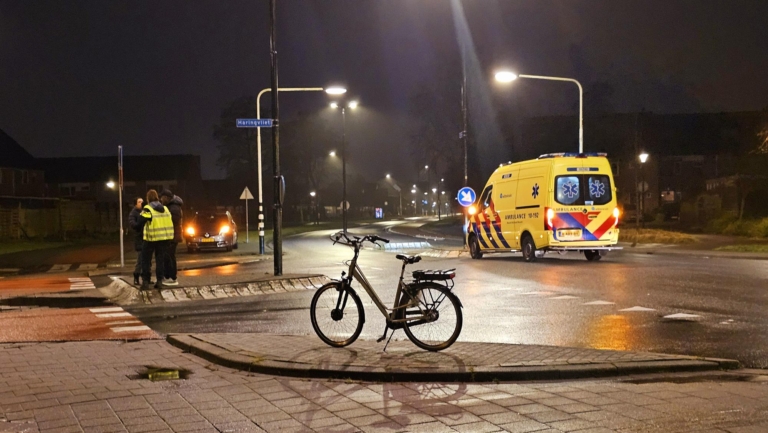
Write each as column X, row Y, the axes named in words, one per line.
column 599, row 303
column 537, row 293
column 81, row 284
column 131, row 328
column 59, row 268
column 106, row 315
column 637, row 308
column 124, row 322
column 88, row 266
column 682, row 316
column 106, row 310
column 565, row 297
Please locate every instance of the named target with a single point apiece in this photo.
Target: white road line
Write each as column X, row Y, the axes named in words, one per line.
column 59, row 268
column 88, row 266
column 636, row 308
column 107, row 315
column 106, row 310
column 124, row 322
column 565, row 297
column 80, row 280
column 536, row 293
column 599, row 303
column 131, row 328
column 681, row 316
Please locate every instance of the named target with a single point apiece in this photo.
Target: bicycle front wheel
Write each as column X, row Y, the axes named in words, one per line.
column 434, row 318
column 337, row 314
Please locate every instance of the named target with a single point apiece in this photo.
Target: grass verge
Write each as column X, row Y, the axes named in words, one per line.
column 751, row 248
column 15, row 247
column 654, row 236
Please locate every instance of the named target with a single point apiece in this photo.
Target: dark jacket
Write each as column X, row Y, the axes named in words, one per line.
column 137, row 224
column 177, row 215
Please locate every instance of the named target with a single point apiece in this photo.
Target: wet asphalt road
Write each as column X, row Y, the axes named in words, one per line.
column 559, row 300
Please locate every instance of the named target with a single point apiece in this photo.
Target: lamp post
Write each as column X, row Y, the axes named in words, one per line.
column 507, row 77
column 313, row 205
column 111, row 185
column 351, row 105
column 330, row 91
column 641, row 215
column 399, row 192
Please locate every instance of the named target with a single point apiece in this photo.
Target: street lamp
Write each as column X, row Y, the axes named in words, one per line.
column 111, row 184
column 333, row 153
column 351, row 105
column 314, row 208
column 508, row 77
column 643, row 158
column 278, row 248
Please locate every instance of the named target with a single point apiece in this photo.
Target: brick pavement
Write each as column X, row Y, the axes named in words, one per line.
column 307, row 356
column 95, row 387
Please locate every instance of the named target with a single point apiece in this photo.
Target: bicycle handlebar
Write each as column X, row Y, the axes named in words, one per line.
column 342, row 238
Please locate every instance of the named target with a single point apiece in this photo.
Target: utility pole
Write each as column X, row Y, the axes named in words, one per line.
column 344, row 169
column 277, row 214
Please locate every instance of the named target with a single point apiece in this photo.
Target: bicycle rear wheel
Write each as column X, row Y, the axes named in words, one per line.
column 441, row 318
column 337, row 314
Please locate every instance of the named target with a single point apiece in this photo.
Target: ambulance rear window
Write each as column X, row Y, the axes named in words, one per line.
column 583, row 189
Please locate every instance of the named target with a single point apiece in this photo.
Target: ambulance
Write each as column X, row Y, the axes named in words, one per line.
column 558, row 202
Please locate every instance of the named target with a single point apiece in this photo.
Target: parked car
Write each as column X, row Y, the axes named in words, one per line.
column 211, row 231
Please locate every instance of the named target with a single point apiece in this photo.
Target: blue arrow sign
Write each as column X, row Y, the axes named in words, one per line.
column 466, row 196
column 254, row 123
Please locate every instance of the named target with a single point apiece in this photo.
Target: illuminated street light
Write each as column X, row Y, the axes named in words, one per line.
column 505, row 76
column 426, row 167
column 333, row 153
column 508, row 77
column 334, row 105
column 434, row 189
column 111, row 185
column 312, row 193
column 352, row 104
column 643, row 157
column 335, row 90
column 413, row 191
column 388, row 176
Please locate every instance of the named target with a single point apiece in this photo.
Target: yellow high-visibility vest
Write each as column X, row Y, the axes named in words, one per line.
column 160, row 227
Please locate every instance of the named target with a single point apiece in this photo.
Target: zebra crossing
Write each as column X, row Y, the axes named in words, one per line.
column 66, row 267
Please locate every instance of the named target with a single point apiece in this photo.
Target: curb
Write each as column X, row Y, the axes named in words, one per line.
column 238, row 361
column 123, row 293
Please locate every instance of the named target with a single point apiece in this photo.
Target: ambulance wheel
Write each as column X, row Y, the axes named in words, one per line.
column 474, row 248
column 592, row 255
column 529, row 248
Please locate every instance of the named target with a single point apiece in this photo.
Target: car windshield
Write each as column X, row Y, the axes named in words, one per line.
column 211, row 221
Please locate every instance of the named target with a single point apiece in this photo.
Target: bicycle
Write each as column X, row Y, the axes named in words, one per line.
column 428, row 312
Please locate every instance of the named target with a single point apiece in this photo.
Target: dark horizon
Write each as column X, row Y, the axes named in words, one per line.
column 82, row 77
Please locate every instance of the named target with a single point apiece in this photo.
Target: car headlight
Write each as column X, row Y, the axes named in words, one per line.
column 224, row 230
column 191, row 231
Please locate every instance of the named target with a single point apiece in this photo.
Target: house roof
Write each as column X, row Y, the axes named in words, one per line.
column 135, row 168
column 13, row 155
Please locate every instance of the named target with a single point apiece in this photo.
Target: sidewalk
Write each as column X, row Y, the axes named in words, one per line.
column 307, row 356
column 94, row 387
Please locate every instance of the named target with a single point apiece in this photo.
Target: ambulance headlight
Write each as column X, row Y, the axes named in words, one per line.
column 471, row 210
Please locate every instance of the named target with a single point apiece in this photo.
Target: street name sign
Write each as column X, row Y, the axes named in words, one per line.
column 254, row 123
column 466, row 196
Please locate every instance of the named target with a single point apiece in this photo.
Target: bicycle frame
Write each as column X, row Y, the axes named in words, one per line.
column 389, row 313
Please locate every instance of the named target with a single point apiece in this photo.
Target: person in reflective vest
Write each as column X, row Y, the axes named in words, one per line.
column 158, row 232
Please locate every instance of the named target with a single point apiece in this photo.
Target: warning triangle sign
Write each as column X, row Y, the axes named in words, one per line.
column 246, row 195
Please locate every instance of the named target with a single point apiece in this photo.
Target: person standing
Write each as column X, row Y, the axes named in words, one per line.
column 174, row 204
column 137, row 224
column 158, row 231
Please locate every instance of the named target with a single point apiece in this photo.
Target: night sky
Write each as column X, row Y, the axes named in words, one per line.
column 81, row 77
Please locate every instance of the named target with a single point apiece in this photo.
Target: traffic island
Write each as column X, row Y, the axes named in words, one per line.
column 306, row 356
column 122, row 292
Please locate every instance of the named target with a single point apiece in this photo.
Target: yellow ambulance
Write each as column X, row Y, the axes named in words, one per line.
column 557, row 202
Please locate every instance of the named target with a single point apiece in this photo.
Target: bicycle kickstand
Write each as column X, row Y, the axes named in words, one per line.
column 386, row 328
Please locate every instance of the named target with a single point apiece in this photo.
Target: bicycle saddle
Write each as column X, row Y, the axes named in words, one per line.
column 409, row 259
